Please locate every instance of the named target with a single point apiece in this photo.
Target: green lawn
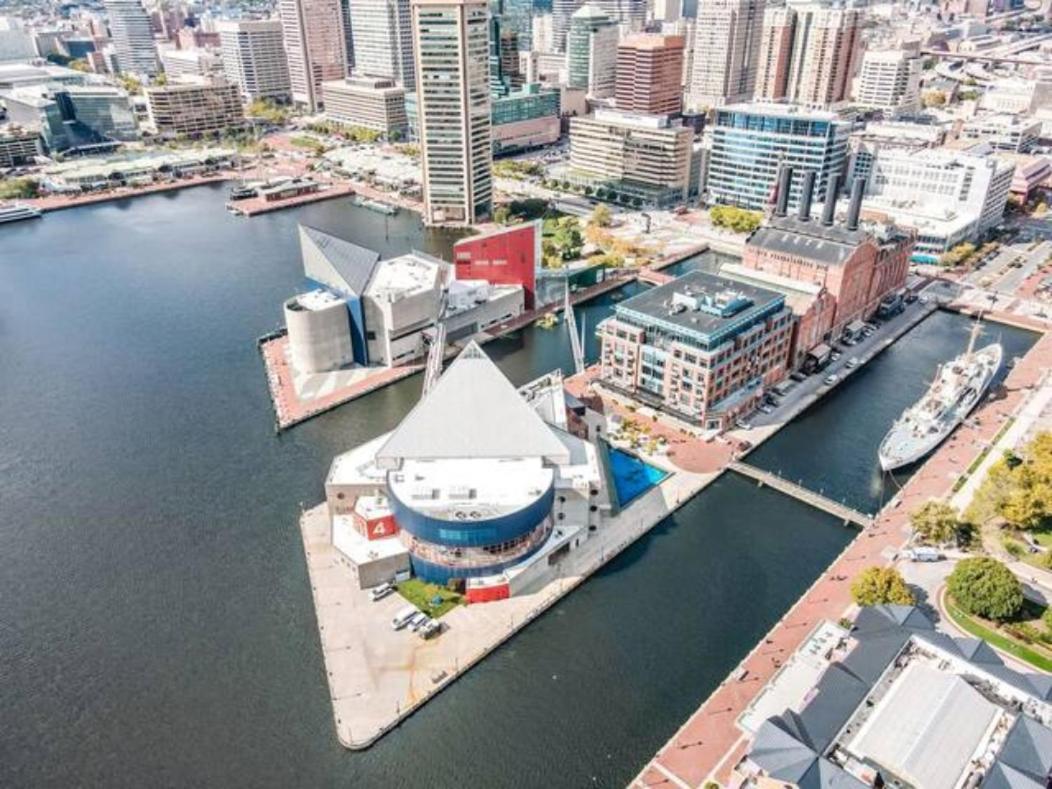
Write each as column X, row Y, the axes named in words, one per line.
column 996, row 638
column 421, row 594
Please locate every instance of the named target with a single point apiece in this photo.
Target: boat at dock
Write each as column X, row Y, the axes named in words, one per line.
column 958, row 387
column 547, row 321
column 375, row 205
column 17, row 212
column 242, row 192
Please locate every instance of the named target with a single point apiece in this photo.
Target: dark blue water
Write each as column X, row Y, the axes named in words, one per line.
column 156, row 626
column 632, row 476
column 832, row 447
column 709, row 261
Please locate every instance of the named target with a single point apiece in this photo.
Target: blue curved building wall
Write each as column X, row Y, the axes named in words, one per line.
column 441, row 574
column 474, row 533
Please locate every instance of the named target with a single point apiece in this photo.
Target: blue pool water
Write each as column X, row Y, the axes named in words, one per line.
column 632, row 477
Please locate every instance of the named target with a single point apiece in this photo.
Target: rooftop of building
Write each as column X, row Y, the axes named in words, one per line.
column 831, row 245
column 1004, row 121
column 779, row 110
column 651, row 41
column 701, row 303
column 312, row 300
column 364, row 82
column 406, row 275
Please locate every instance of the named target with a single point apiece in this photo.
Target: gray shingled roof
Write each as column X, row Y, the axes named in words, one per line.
column 789, row 236
column 1028, row 749
column 351, row 266
column 472, row 412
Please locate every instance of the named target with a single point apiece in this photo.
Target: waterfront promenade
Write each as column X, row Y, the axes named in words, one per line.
column 710, row 743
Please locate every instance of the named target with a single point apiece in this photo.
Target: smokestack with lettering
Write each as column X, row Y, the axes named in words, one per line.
column 785, row 180
column 854, row 208
column 829, row 207
column 804, row 210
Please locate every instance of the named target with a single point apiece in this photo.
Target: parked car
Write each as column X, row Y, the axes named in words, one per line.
column 742, row 424
column 403, row 617
column 766, row 409
column 851, row 363
column 798, row 376
column 829, row 380
column 420, row 621
column 381, row 591
column 430, row 630
column 923, row 554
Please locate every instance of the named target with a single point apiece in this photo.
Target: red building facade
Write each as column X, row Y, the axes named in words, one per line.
column 508, row 256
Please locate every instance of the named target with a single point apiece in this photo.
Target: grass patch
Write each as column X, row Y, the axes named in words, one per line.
column 421, row 594
column 1036, row 657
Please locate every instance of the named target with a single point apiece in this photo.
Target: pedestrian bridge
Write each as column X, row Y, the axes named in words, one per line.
column 799, row 492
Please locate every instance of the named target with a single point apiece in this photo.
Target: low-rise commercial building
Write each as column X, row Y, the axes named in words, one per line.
column 1010, row 133
column 194, row 107
column 190, row 62
column 640, row 158
column 367, row 102
column 508, row 256
column 702, row 347
column 18, row 146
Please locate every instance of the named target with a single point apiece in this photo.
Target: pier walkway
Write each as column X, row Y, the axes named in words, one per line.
column 816, row 500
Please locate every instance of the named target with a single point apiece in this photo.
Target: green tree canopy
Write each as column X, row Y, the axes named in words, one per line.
column 501, row 215
column 986, row 588
column 1018, row 487
column 879, row 586
column 601, row 216
column 935, row 522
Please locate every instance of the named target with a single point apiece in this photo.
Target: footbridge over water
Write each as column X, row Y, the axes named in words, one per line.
column 799, row 492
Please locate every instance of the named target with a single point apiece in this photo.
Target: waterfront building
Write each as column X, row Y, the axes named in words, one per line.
column 752, row 141
column 892, row 699
column 87, row 173
column 132, row 35
column 649, row 74
column 102, row 110
column 644, row 159
column 254, row 59
column 315, row 47
column 367, row 102
column 591, row 52
column 524, row 119
column 946, row 196
column 890, row 80
column 701, row 347
column 508, row 256
column 194, row 107
column 195, row 62
column 562, row 12
column 383, row 40
column 726, row 52
column 23, row 75
column 1009, row 133
column 19, row 146
column 452, row 45
column 819, row 64
column 849, row 268
column 509, row 488
column 389, row 306
column 73, row 117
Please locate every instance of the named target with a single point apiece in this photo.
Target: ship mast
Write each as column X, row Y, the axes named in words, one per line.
column 974, row 335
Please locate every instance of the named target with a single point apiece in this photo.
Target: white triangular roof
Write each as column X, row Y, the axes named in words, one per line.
column 473, row 411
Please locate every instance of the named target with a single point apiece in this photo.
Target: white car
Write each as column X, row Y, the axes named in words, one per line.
column 741, row 424
column 381, row 591
column 766, row 409
column 852, row 362
column 829, row 380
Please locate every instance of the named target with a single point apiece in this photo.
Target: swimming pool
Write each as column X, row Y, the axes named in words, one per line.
column 632, row 477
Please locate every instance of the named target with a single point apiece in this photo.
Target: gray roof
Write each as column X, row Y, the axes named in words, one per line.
column 473, row 411
column 335, row 262
column 1001, row 776
column 835, row 699
column 655, row 303
column 784, row 758
column 1028, row 750
column 812, row 240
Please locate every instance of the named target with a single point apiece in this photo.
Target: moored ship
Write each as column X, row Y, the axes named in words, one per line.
column 17, row 212
column 958, row 387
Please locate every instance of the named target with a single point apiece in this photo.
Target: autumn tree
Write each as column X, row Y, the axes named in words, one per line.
column 935, row 522
column 881, row 586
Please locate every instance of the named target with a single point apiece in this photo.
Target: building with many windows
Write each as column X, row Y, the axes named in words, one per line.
column 702, row 347
column 383, row 40
column 750, row 142
column 73, row 117
column 194, row 107
column 132, row 35
column 1009, row 133
column 726, row 52
column 18, row 146
column 643, row 159
column 526, row 118
column 315, row 47
column 650, row 74
column 591, row 52
column 453, row 105
column 196, row 62
column 254, row 59
column 889, row 80
column 374, row 103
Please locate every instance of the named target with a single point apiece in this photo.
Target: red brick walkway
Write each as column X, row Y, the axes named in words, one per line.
column 709, row 742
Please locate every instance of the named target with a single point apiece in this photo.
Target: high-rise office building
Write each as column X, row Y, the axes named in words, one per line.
column 517, row 17
column 890, row 80
column 132, row 35
column 649, row 74
column 348, row 32
column 726, row 51
column 542, row 35
column 816, row 71
column 630, row 15
column 383, row 40
column 750, row 142
column 591, row 52
column 254, row 58
column 314, row 45
column 562, row 11
column 451, row 40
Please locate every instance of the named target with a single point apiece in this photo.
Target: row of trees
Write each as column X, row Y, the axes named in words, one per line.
column 733, row 218
column 18, row 188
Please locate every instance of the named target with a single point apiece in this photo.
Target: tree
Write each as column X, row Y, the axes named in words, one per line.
column 880, row 586
column 1047, row 618
column 933, row 98
column 18, row 188
column 986, row 588
column 501, row 215
column 935, row 522
column 733, row 218
column 601, row 216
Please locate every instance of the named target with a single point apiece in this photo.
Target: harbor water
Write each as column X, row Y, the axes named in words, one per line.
column 156, row 624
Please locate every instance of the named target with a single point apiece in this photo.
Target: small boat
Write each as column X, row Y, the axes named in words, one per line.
column 958, row 387
column 375, row 205
column 242, row 192
column 17, row 212
column 548, row 321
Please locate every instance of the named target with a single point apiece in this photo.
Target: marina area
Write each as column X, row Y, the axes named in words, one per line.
column 186, row 597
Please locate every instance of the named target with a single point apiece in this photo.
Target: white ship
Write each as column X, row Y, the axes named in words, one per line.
column 958, row 387
column 17, row 212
